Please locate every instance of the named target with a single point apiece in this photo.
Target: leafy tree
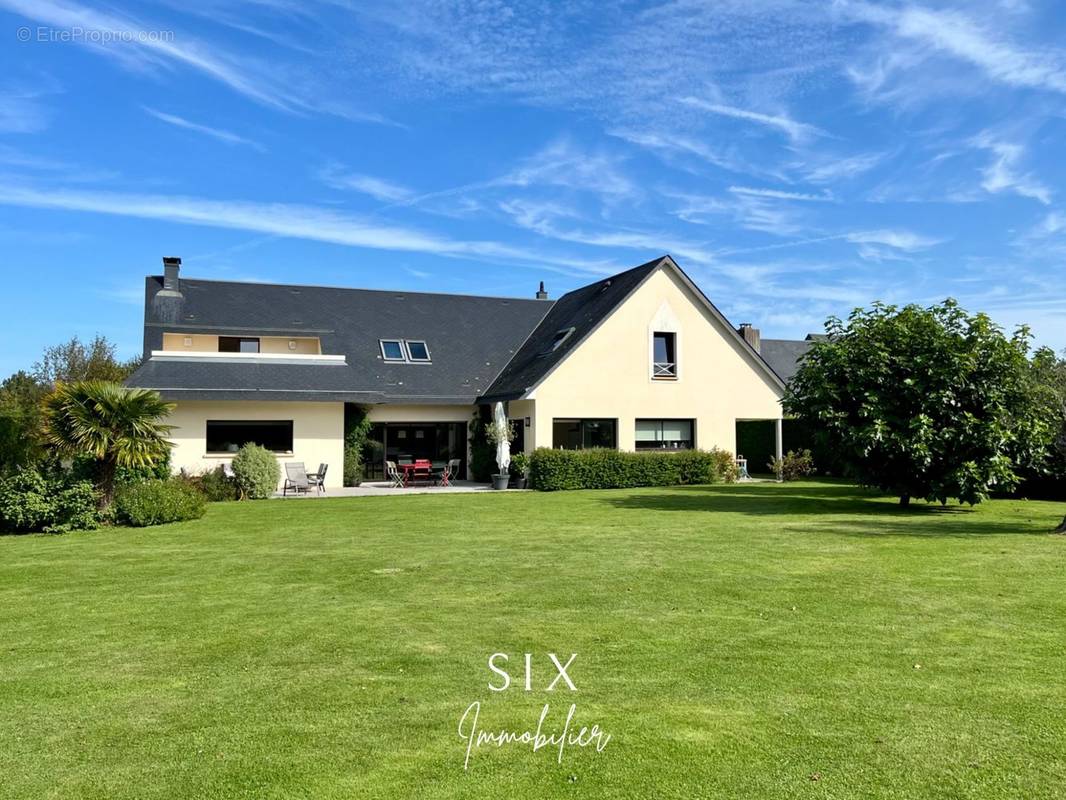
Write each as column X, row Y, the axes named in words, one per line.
column 20, row 421
column 923, row 402
column 77, row 361
column 116, row 426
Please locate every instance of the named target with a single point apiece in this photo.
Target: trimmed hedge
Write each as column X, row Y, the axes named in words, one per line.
column 158, row 502
column 554, row 470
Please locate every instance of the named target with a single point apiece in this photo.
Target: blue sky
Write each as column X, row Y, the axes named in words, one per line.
column 796, row 158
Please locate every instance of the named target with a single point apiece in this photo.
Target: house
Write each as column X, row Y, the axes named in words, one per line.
column 640, row 360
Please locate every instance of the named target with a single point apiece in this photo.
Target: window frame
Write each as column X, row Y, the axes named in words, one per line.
column 398, row 342
column 240, row 340
column 582, row 431
column 657, row 443
column 669, row 369
column 411, row 356
column 249, row 423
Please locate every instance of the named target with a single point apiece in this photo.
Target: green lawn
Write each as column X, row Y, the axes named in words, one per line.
column 758, row 641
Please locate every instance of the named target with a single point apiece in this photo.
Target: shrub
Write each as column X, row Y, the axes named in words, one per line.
column 793, row 465
column 356, row 435
column 552, row 470
column 519, row 465
column 156, row 502
column 216, row 487
column 482, row 454
column 34, row 501
column 257, row 471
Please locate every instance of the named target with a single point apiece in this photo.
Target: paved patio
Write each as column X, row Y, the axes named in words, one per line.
column 383, row 489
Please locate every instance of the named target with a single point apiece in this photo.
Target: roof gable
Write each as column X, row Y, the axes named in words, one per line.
column 585, row 309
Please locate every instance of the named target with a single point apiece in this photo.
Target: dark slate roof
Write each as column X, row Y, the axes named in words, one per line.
column 583, row 310
column 470, row 339
column 783, row 355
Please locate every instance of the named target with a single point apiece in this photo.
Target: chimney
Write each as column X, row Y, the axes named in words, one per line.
column 751, row 336
column 171, row 281
column 541, row 294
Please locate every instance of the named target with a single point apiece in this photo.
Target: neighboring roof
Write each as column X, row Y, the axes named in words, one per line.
column 470, row 339
column 784, row 355
column 583, row 310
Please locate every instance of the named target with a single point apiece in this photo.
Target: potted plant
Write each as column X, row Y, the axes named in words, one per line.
column 519, row 470
column 498, row 431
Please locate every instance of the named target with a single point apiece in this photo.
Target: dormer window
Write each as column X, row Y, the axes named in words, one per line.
column 417, row 350
column 392, row 350
column 557, row 341
column 407, row 351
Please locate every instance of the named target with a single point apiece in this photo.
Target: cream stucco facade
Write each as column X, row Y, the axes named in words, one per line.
column 318, row 433
column 609, row 376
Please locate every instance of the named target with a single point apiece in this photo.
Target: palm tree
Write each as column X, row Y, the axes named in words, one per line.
column 118, row 427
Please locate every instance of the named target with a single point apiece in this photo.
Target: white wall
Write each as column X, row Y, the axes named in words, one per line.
column 318, row 433
column 609, row 376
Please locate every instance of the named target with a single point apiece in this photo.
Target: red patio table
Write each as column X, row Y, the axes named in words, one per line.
column 419, row 469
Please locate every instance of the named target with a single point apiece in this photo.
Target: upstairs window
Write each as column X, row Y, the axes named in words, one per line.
column 238, row 344
column 392, row 350
column 417, row 350
column 664, row 356
column 414, row 351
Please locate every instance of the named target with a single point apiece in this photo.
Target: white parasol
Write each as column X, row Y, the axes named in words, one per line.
column 503, row 444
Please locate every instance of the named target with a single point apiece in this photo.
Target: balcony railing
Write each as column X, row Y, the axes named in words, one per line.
column 664, row 369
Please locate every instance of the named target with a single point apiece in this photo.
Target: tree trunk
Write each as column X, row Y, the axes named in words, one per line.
column 1062, row 526
column 904, row 500
column 105, row 483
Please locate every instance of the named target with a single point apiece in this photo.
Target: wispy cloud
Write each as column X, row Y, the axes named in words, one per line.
column 544, row 218
column 838, row 169
column 21, row 110
column 215, row 133
column 793, row 129
column 281, row 219
column 337, row 177
column 675, row 144
column 1002, row 175
column 952, row 33
column 905, row 240
column 148, row 47
column 778, row 194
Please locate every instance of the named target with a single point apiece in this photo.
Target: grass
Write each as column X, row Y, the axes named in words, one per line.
column 757, row 641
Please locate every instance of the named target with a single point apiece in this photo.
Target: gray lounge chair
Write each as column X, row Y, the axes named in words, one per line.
column 296, row 480
column 318, row 479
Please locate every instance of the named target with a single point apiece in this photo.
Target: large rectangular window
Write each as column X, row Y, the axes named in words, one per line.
column 582, row 434
column 664, row 434
column 664, row 356
column 238, row 344
column 227, row 436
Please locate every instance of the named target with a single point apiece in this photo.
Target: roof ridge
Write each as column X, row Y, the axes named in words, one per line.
column 510, row 298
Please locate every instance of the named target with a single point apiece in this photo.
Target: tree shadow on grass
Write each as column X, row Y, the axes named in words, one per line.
column 831, row 508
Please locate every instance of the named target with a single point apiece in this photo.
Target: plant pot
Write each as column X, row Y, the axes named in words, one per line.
column 519, row 481
column 500, row 481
